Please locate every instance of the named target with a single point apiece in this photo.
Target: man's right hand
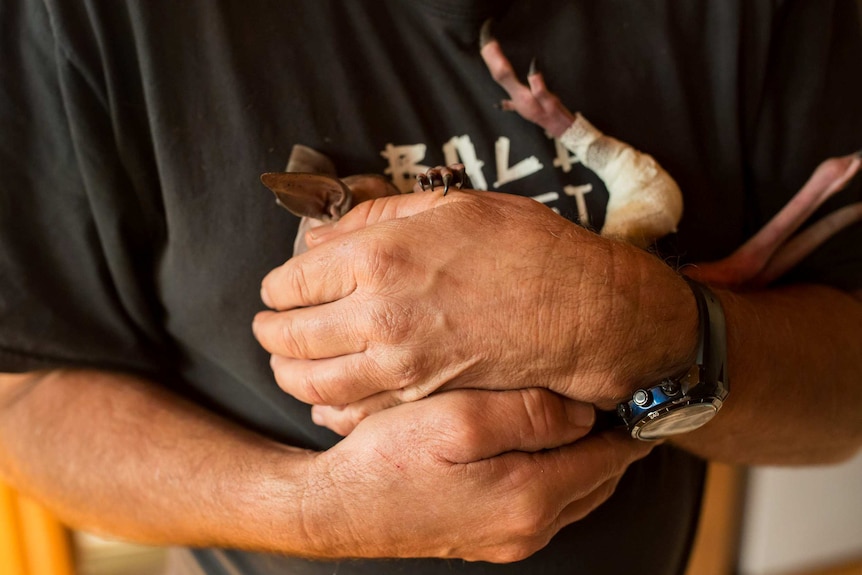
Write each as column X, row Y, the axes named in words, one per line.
column 478, row 475
column 464, row 473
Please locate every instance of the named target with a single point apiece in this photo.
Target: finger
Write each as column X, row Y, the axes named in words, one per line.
column 311, row 278
column 553, row 488
column 610, row 461
column 484, row 424
column 332, row 381
column 318, row 233
column 574, row 471
column 350, row 378
column 319, row 332
column 344, row 419
column 580, row 508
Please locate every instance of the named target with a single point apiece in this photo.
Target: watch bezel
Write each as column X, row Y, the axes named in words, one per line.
column 661, row 416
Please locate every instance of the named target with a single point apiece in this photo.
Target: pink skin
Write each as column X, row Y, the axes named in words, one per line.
column 534, row 102
column 761, row 260
column 806, row 242
column 769, row 255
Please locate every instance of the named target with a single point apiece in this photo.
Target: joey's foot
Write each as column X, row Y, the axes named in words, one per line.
column 532, row 101
column 445, row 176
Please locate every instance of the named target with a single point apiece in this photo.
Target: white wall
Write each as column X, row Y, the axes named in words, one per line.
column 798, row 518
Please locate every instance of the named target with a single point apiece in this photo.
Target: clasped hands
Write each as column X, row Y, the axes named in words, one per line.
column 509, row 323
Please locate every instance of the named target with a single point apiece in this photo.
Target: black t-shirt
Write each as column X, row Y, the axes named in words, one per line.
column 134, row 232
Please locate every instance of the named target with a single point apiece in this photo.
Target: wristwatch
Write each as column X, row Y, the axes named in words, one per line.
column 683, row 403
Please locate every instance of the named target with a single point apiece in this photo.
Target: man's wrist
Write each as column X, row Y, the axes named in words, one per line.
column 689, row 400
column 665, row 341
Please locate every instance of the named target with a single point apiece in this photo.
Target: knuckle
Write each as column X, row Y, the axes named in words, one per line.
column 531, row 512
column 343, row 426
column 393, row 323
column 606, row 489
column 292, row 341
column 533, row 520
column 382, row 259
column 463, row 434
column 308, row 389
column 521, row 480
column 359, row 215
column 525, row 538
column 403, row 369
column 514, row 552
column 295, row 281
column 353, row 415
column 287, row 279
column 543, row 416
column 538, row 411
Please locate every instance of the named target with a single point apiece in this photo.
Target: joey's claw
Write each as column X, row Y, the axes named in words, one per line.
column 447, row 179
column 485, row 33
column 461, row 178
column 423, row 181
column 445, row 176
column 435, row 176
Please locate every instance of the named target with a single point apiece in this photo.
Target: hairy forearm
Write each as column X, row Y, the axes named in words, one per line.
column 118, row 455
column 795, row 366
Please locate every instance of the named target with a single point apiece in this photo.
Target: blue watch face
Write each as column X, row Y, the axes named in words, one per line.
column 681, row 419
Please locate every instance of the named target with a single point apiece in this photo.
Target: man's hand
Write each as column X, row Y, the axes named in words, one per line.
column 464, row 474
column 117, row 454
column 416, row 293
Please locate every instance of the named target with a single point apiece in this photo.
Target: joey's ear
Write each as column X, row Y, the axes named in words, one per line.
column 317, row 196
column 308, row 160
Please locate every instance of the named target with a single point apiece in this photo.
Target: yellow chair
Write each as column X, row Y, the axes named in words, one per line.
column 32, row 540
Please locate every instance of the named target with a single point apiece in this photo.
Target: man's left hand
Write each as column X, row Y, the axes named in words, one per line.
column 410, row 294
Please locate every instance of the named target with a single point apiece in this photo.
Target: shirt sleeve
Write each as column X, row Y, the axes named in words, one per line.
column 72, row 290
column 806, row 111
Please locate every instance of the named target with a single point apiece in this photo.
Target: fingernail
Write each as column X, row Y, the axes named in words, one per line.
column 581, row 414
column 320, row 231
column 533, row 68
column 317, row 417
